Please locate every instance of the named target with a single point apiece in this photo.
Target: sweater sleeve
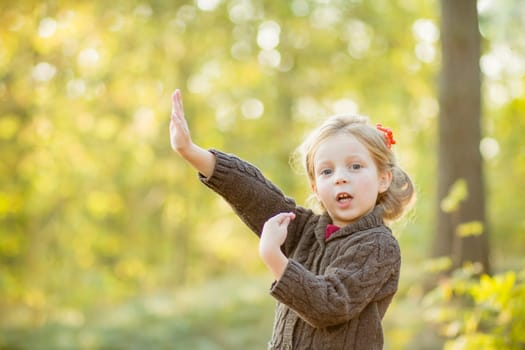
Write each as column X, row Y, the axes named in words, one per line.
column 253, row 197
column 366, row 272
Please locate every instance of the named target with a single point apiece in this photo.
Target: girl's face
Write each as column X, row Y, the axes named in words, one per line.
column 347, row 181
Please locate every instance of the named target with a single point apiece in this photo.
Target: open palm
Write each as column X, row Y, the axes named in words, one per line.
column 179, row 132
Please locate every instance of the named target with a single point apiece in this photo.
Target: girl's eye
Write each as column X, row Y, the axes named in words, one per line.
column 326, row 171
column 355, row 166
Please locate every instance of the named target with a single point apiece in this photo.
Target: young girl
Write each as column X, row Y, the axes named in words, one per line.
column 337, row 271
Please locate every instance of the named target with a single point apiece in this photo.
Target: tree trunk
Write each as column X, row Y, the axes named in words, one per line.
column 459, row 157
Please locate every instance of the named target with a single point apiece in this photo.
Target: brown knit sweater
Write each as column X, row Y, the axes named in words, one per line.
column 333, row 293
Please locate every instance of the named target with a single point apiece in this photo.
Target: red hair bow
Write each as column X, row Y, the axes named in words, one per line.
column 389, row 136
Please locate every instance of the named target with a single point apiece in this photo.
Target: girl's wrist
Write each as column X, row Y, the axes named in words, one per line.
column 275, row 260
column 201, row 159
column 187, row 151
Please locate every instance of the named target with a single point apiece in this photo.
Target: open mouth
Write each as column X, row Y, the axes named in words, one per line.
column 343, row 197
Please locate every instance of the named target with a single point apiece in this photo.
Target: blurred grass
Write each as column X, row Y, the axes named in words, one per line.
column 232, row 312
column 228, row 313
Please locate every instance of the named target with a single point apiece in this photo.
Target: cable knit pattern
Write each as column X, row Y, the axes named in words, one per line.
column 333, row 293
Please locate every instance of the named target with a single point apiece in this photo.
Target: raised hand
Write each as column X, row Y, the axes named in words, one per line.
column 180, row 139
column 179, row 132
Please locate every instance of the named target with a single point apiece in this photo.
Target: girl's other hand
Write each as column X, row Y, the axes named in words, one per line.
column 273, row 235
column 274, row 232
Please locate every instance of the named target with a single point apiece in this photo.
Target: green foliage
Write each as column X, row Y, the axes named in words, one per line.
column 486, row 312
column 95, row 210
column 92, row 191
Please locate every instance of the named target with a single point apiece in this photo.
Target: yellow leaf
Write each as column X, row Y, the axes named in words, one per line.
column 458, row 193
column 437, row 264
column 471, row 228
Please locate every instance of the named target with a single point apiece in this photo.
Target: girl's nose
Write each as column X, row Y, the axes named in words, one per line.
column 341, row 178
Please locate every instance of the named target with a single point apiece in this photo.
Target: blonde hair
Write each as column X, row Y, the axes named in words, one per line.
column 400, row 195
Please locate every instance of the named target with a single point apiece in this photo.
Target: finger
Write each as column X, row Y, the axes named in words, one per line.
column 174, row 102
column 177, row 124
column 288, row 218
column 177, row 113
column 285, row 218
column 177, row 103
column 285, row 222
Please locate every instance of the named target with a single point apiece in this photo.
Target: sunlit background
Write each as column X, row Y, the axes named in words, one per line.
column 108, row 240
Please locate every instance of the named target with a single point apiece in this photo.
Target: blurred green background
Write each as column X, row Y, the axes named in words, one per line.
column 108, row 240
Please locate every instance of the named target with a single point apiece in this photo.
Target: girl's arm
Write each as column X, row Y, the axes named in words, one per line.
column 254, row 198
column 199, row 158
column 367, row 271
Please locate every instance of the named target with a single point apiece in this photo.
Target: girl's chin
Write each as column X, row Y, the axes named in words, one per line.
column 340, row 219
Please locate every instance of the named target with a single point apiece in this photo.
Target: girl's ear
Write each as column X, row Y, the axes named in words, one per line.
column 385, row 179
column 313, row 188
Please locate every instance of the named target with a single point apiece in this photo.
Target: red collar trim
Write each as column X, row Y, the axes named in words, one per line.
column 330, row 229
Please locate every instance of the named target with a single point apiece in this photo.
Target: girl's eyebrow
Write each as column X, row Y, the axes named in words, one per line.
column 355, row 156
column 322, row 166
column 346, row 158
column 323, row 161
